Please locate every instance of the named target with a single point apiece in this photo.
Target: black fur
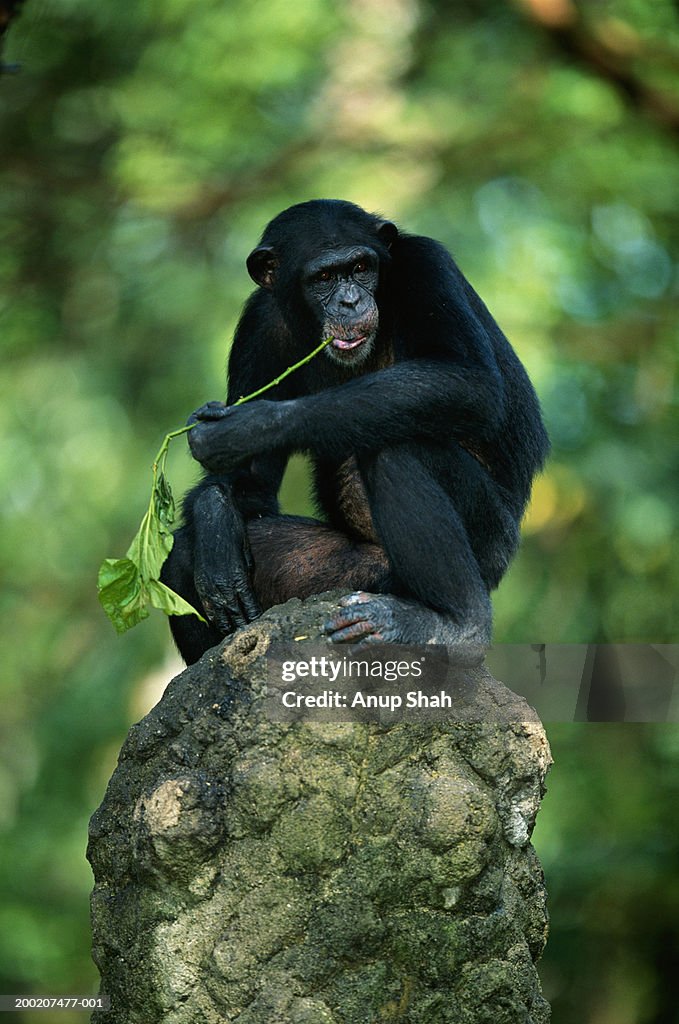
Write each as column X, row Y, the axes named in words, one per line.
column 423, row 427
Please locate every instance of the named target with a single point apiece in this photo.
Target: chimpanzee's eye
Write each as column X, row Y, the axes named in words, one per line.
column 323, row 275
column 361, row 267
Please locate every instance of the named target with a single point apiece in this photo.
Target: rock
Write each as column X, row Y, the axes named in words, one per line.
column 268, row 873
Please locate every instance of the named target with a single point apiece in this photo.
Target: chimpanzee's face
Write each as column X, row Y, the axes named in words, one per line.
column 322, row 262
column 339, row 288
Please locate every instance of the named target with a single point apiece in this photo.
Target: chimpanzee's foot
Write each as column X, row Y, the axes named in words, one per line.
column 364, row 618
column 381, row 618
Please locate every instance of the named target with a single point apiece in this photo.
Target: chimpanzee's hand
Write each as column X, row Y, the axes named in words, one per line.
column 222, row 561
column 225, row 436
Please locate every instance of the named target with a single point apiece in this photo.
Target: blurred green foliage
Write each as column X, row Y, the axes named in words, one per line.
column 144, row 147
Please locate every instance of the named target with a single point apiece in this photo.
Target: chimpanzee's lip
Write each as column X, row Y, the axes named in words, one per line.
column 347, row 343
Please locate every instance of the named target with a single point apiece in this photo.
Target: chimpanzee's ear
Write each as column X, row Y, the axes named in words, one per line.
column 387, row 231
column 262, row 264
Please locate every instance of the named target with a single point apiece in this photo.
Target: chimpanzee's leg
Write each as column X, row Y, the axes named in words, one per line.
column 293, row 557
column 296, row 557
column 446, row 550
column 443, row 548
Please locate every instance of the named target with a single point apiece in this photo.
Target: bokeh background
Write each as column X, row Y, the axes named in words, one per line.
column 142, row 149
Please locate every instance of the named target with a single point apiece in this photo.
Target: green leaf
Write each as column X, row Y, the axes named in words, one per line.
column 163, row 502
column 168, row 601
column 121, row 593
column 150, row 546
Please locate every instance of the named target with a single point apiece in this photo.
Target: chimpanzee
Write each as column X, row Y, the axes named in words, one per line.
column 423, row 427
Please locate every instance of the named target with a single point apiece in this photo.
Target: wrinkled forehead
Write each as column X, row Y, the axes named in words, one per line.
column 304, row 234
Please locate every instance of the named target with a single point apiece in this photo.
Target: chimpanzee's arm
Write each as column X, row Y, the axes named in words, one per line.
column 215, row 512
column 413, row 399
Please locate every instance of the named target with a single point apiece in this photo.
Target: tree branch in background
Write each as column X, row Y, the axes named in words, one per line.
column 607, row 49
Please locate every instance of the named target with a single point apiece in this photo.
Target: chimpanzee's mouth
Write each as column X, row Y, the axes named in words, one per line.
column 348, row 343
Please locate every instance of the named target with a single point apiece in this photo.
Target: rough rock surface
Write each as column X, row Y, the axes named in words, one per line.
column 311, row 873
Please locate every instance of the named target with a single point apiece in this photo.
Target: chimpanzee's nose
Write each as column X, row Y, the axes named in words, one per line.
column 350, row 296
